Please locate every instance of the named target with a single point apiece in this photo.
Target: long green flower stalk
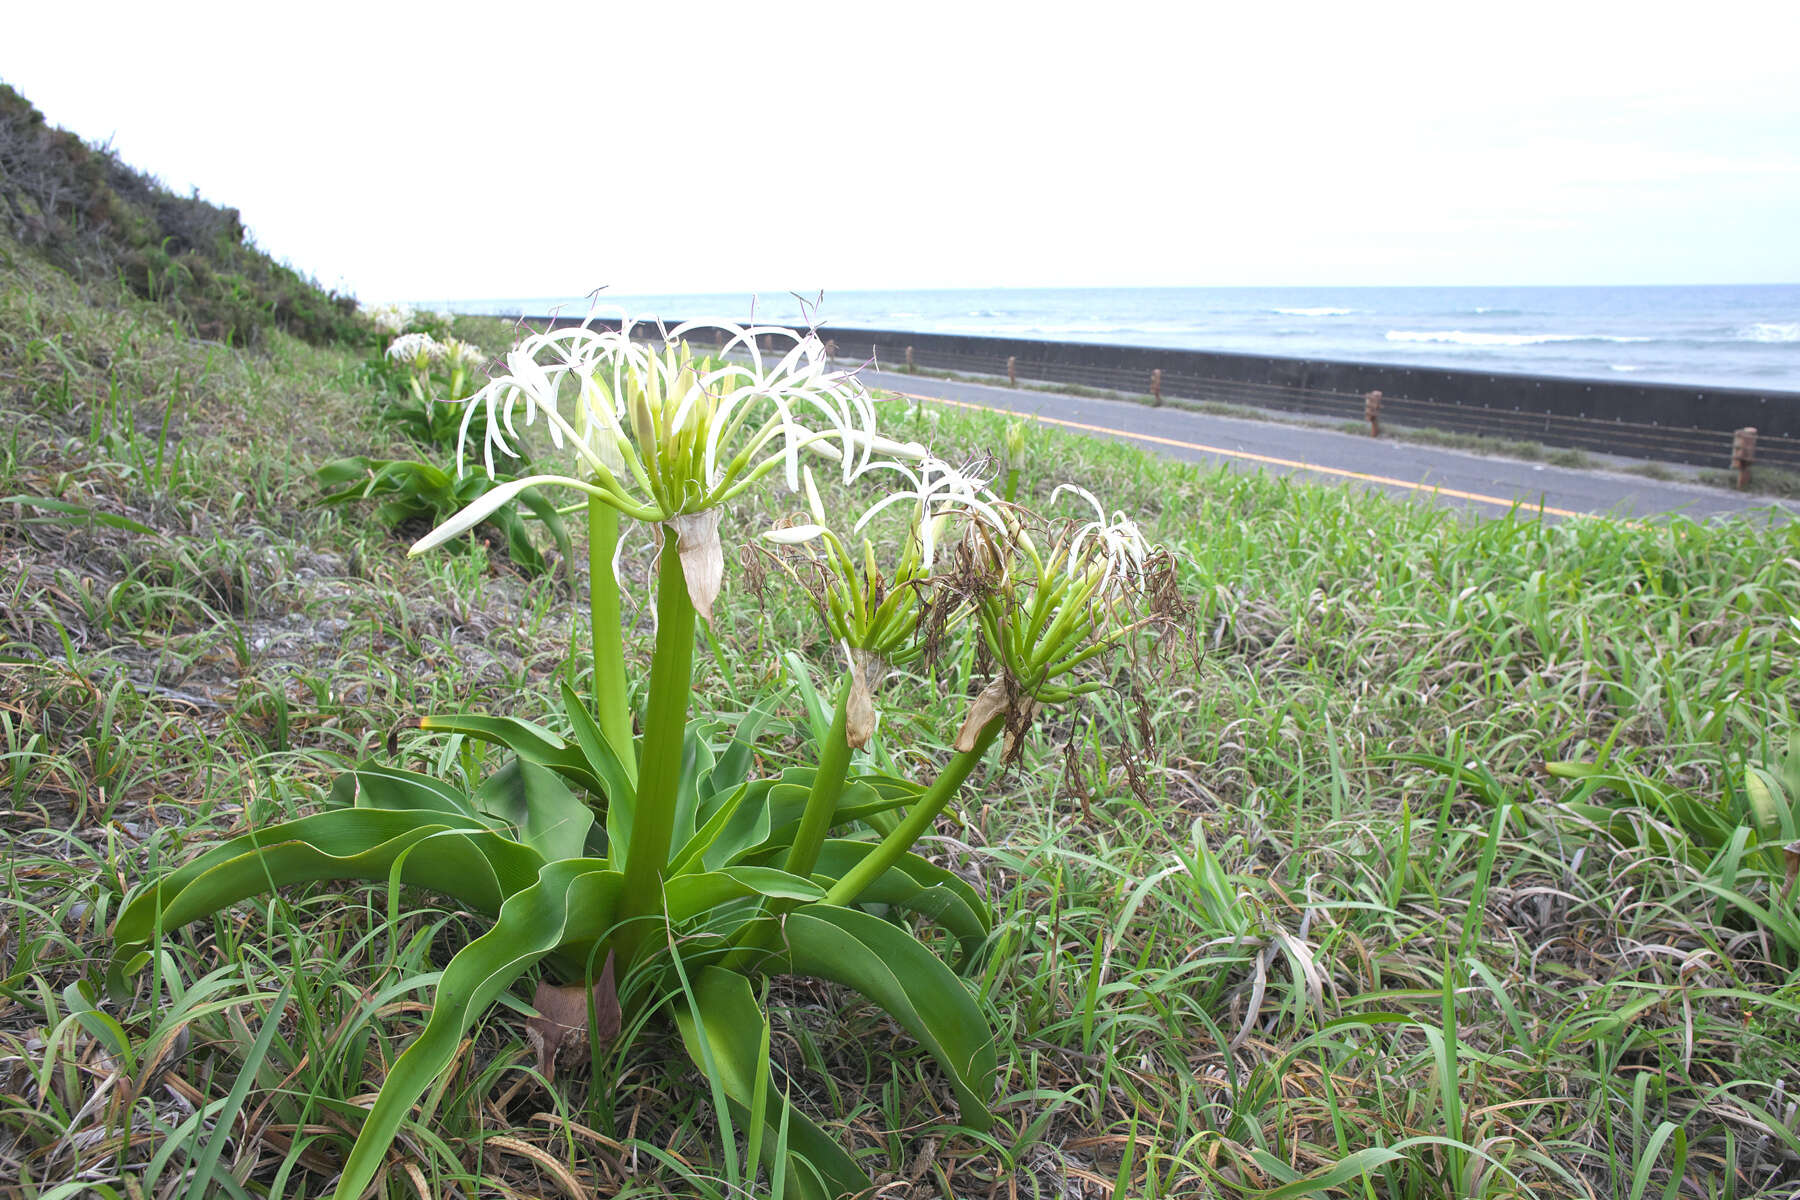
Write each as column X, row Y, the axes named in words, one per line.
column 612, row 704
column 659, row 767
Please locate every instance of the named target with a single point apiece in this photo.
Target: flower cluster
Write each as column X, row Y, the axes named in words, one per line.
column 666, row 436
column 416, row 350
column 392, row 317
column 462, row 356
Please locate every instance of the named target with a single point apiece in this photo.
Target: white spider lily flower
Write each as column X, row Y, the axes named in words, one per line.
column 938, row 489
column 1116, row 546
column 417, row 350
column 667, row 437
column 460, row 354
column 394, row 318
column 668, row 433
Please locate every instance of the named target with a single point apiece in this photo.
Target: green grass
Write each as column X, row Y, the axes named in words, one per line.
column 1764, row 481
column 1300, row 894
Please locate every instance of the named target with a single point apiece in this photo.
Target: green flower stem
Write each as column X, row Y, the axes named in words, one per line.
column 659, row 768
column 918, row 819
column 611, row 707
column 828, row 786
column 815, row 822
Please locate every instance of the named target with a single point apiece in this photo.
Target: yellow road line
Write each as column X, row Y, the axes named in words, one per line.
column 1270, row 460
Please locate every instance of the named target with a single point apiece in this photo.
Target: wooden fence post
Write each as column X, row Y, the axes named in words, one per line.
column 909, row 360
column 1743, row 453
column 1156, row 386
column 1012, row 370
column 1372, row 413
column 830, row 350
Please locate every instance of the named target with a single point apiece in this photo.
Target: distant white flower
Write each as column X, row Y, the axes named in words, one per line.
column 417, row 350
column 392, row 317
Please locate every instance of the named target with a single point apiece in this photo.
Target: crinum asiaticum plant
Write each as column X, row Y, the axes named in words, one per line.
column 440, row 374
column 596, row 849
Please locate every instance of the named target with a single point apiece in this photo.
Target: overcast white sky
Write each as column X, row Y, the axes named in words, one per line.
column 547, row 149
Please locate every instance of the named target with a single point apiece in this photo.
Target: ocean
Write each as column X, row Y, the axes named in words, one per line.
column 1744, row 336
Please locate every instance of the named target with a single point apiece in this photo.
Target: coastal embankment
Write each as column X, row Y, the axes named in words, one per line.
column 1693, row 425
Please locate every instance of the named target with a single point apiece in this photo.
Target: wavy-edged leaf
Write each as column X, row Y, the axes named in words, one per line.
column 572, row 901
column 688, row 896
column 526, row 739
column 863, row 797
column 722, row 1028
column 371, row 784
column 734, row 765
column 918, row 887
column 711, row 836
column 467, row 861
column 893, row 969
column 618, row 776
column 535, row 801
column 697, row 763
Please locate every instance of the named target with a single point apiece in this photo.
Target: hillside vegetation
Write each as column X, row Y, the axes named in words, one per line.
column 82, row 210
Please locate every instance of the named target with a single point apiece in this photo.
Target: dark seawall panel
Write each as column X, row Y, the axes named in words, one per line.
column 1671, row 422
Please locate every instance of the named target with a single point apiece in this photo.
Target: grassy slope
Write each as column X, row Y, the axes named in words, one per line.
column 1160, row 1027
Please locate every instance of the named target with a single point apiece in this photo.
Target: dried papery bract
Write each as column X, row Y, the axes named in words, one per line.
column 702, row 559
column 867, row 670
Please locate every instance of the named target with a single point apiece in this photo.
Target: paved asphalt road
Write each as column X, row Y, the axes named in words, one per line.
column 1451, row 477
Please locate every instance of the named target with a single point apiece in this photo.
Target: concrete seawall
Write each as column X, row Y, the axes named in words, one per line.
column 1668, row 422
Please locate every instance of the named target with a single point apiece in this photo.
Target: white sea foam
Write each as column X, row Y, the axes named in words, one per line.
column 1623, row 367
column 1771, row 331
column 1313, row 312
column 1457, row 337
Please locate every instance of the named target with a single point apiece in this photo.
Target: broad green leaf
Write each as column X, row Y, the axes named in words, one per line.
column 890, row 966
column 734, row 765
column 549, row 817
column 723, row 1031
column 688, row 896
column 696, row 767
column 371, row 784
column 467, row 861
column 916, row 886
column 572, row 901
column 710, row 836
column 768, row 816
column 529, row 741
column 539, row 506
column 618, row 777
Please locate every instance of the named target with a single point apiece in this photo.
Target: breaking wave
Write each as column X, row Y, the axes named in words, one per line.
column 1457, row 337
